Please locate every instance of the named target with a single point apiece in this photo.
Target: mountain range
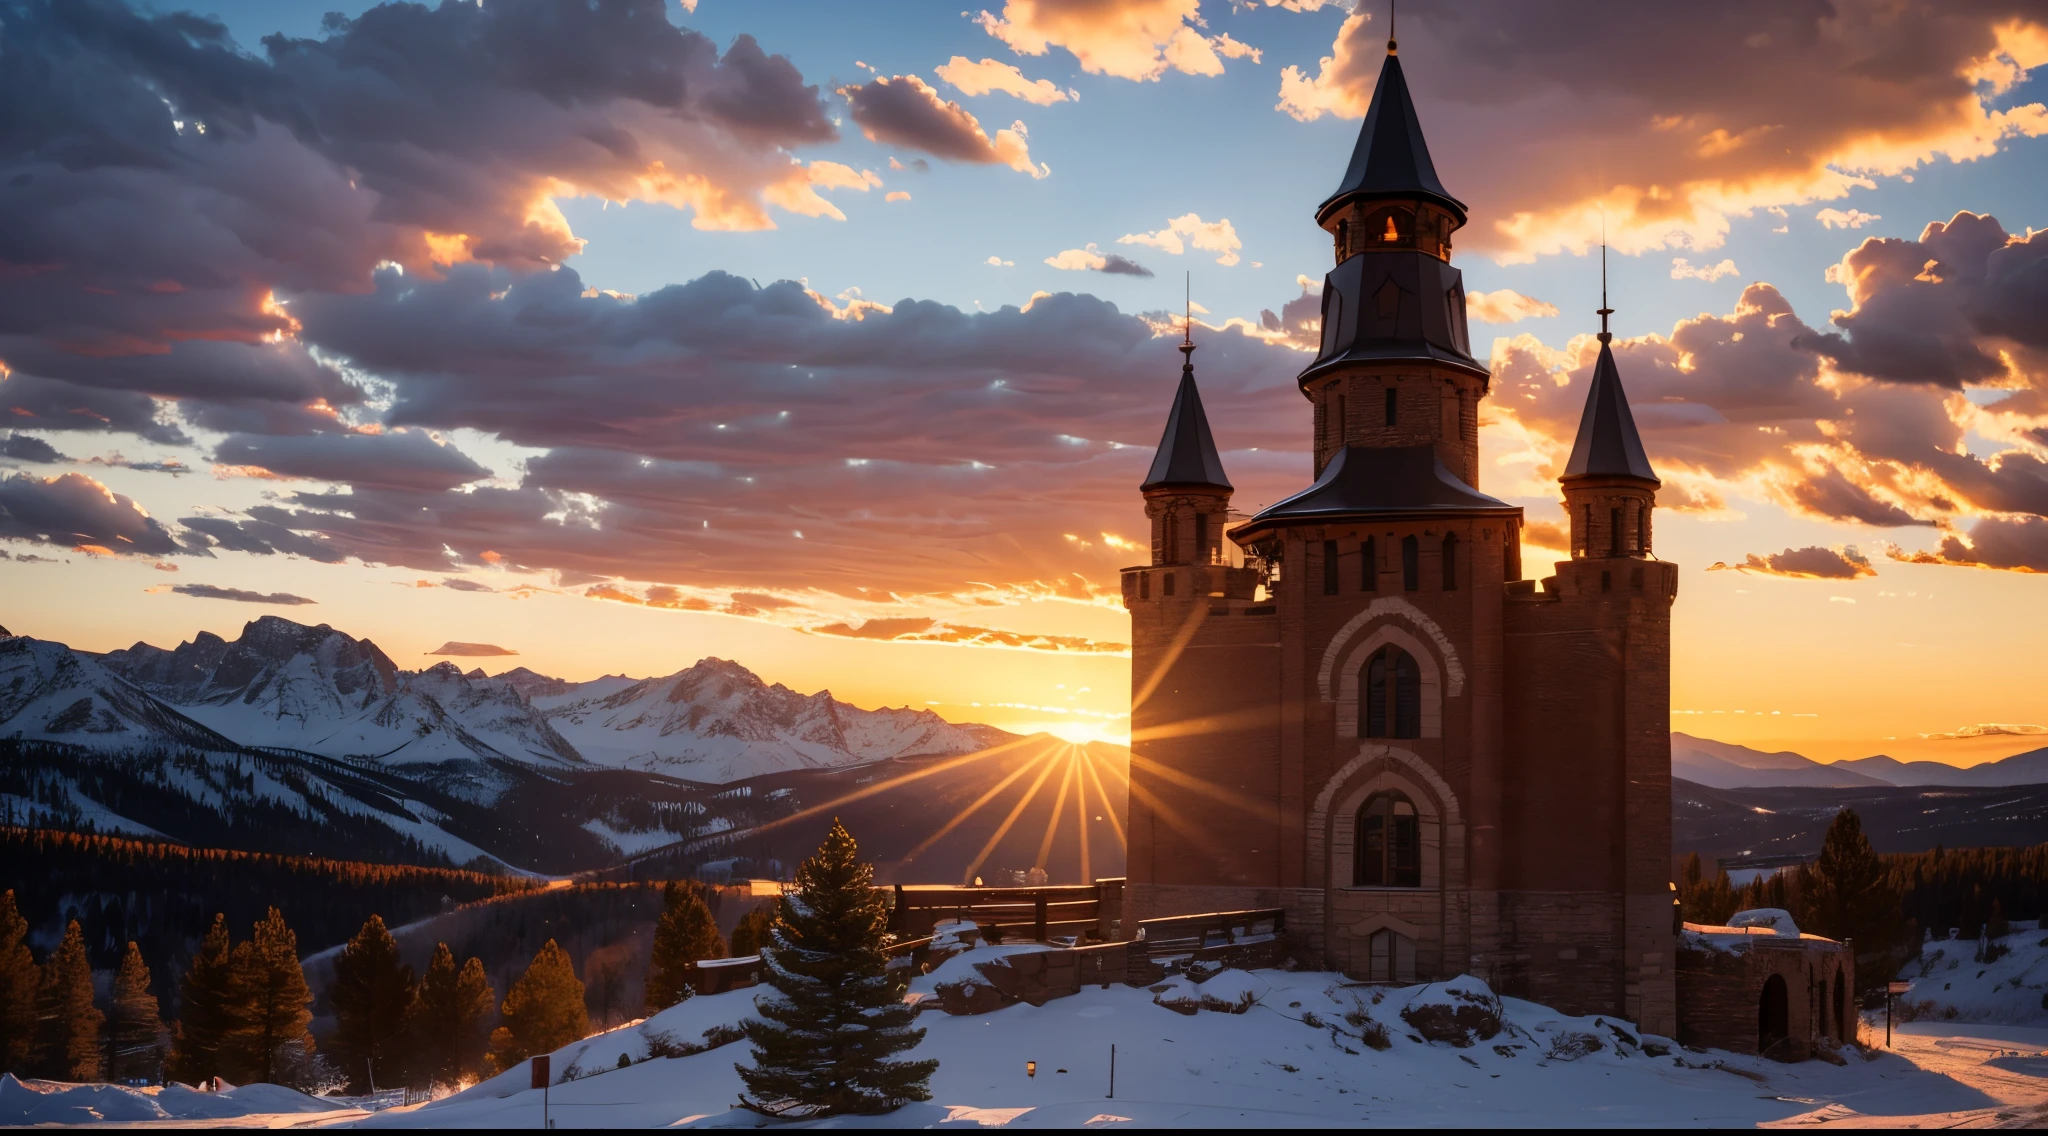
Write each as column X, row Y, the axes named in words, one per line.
column 283, row 685
column 1724, row 765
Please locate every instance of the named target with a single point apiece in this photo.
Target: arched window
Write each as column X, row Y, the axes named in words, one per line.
column 1390, row 227
column 1389, row 845
column 1411, row 563
column 1390, row 696
column 1450, row 562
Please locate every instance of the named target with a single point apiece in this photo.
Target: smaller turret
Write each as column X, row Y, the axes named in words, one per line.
column 1609, row 487
column 1186, row 494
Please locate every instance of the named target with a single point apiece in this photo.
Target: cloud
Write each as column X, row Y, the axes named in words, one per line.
column 29, row 448
column 1219, row 237
column 453, row 647
column 989, row 75
column 921, row 630
column 1683, row 142
column 240, row 595
column 999, row 262
column 1547, row 534
column 457, row 583
column 73, row 509
column 1128, row 39
column 2017, row 544
column 896, row 195
column 396, row 459
column 1852, row 219
column 1682, row 269
column 174, row 192
column 1811, row 563
column 1991, row 730
column 905, row 111
column 1093, row 259
column 1506, row 306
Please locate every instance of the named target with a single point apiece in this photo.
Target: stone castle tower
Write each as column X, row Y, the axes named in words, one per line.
column 1432, row 764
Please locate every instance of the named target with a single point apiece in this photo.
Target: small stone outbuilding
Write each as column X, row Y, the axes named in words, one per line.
column 1758, row 985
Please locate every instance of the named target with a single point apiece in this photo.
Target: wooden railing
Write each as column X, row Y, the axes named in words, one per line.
column 1082, row 911
column 1214, row 934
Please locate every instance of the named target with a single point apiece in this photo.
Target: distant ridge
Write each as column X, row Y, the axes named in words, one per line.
column 1725, row 765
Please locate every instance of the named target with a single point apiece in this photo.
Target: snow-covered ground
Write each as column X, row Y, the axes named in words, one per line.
column 53, row 1102
column 1301, row 1053
column 1951, row 985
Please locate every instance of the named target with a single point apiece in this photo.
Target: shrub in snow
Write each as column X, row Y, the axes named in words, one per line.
column 1570, row 1045
column 1461, row 1012
column 834, row 1021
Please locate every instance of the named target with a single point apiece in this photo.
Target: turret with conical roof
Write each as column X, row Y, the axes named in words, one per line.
column 1609, row 487
column 1395, row 365
column 1187, row 495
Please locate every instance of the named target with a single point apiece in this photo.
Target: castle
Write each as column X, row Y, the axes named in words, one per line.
column 1433, row 765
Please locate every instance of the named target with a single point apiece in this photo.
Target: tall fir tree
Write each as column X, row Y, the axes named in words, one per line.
column 685, row 934
column 823, row 1045
column 68, row 1033
column 19, row 983
column 1848, row 894
column 372, row 994
column 544, row 1010
column 206, row 1013
column 750, row 934
column 451, row 1019
column 135, row 1030
column 270, row 1001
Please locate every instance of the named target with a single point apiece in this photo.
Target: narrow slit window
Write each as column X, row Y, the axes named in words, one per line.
column 1614, row 532
column 1168, row 590
column 1329, row 567
column 1202, row 538
column 1369, row 566
column 1411, row 564
column 1340, row 420
column 1393, row 407
column 1450, row 562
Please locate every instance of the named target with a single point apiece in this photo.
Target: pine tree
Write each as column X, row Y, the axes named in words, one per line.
column 68, row 1033
column 1849, row 894
column 135, row 1032
column 823, row 1046
column 205, row 1008
column 452, row 1019
column 685, row 934
column 269, row 999
column 372, row 992
column 751, row 933
column 19, row 982
column 544, row 1011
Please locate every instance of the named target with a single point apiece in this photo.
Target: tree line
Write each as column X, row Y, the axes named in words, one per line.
column 1886, row 902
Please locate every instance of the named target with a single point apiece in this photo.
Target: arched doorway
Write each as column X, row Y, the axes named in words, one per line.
column 1771, row 1015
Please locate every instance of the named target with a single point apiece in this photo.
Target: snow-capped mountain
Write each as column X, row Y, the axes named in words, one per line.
column 285, row 685
column 48, row 692
column 718, row 722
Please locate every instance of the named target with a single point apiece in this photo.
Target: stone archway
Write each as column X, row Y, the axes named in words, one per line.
column 1773, row 1016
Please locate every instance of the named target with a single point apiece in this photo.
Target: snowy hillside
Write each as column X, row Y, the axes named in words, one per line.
column 288, row 686
column 1296, row 1056
column 50, row 693
column 1953, row 981
column 718, row 722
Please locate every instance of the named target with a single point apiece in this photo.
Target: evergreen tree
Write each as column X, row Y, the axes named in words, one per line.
column 135, row 1032
column 1848, row 893
column 372, row 992
column 823, row 1043
column 269, row 999
column 205, row 1008
column 544, row 1011
column 19, row 982
column 452, row 1019
column 685, row 934
column 751, row 933
column 68, row 1033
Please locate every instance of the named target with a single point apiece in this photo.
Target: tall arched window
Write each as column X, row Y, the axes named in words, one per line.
column 1388, row 850
column 1450, row 562
column 1390, row 695
column 1411, row 563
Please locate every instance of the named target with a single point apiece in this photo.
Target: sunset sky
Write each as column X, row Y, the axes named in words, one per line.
column 834, row 338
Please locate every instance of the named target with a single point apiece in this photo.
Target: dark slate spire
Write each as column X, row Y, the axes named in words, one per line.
column 1187, row 453
column 1392, row 158
column 1608, row 445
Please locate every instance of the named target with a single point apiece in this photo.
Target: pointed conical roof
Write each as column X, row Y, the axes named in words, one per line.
column 1187, row 452
column 1608, row 445
column 1391, row 158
